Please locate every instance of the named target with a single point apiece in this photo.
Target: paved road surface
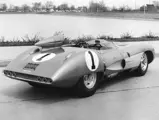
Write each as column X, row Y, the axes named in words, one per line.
column 124, row 98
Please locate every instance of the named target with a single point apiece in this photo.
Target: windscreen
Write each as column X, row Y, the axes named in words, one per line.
column 54, row 41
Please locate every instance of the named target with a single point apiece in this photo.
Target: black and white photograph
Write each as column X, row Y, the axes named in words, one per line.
column 79, row 59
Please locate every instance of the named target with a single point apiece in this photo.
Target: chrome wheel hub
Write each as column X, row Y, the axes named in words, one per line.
column 144, row 62
column 90, row 80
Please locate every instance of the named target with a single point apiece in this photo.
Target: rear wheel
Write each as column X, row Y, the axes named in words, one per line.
column 87, row 85
column 142, row 69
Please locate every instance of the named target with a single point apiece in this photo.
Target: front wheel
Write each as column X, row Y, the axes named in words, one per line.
column 87, row 85
column 142, row 69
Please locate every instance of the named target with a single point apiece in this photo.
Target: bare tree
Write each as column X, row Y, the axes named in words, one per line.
column 3, row 7
column 72, row 7
column 49, row 5
column 114, row 9
column 64, row 7
column 54, row 8
column 102, row 7
column 11, row 8
column 124, row 8
column 93, row 6
column 37, row 6
column 43, row 7
column 17, row 8
column 25, row 8
column 128, row 8
column 97, row 6
column 156, row 4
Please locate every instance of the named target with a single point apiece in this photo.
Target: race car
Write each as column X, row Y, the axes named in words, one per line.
column 81, row 65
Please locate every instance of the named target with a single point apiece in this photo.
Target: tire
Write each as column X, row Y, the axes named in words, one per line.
column 142, row 69
column 87, row 85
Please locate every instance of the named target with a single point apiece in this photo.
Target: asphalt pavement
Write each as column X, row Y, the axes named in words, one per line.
column 127, row 97
column 122, row 98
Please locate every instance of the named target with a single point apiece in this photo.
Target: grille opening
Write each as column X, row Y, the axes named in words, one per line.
column 27, row 77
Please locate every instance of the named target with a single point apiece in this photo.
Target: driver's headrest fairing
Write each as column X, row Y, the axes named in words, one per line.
column 51, row 40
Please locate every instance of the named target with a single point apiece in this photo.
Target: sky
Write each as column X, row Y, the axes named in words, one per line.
column 110, row 3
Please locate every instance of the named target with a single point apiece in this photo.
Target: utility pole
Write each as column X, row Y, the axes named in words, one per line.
column 144, row 9
column 135, row 4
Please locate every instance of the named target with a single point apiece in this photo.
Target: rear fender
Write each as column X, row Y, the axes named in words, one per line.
column 77, row 66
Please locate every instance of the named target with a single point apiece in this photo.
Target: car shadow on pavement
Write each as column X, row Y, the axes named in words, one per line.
column 24, row 92
column 117, row 79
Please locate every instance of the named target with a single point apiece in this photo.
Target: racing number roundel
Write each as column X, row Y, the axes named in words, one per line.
column 43, row 57
column 92, row 60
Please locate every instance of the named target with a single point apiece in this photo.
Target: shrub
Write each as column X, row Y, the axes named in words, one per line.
column 126, row 35
column 150, row 35
column 105, row 37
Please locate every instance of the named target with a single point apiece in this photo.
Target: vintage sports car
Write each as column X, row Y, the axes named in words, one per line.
column 81, row 64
